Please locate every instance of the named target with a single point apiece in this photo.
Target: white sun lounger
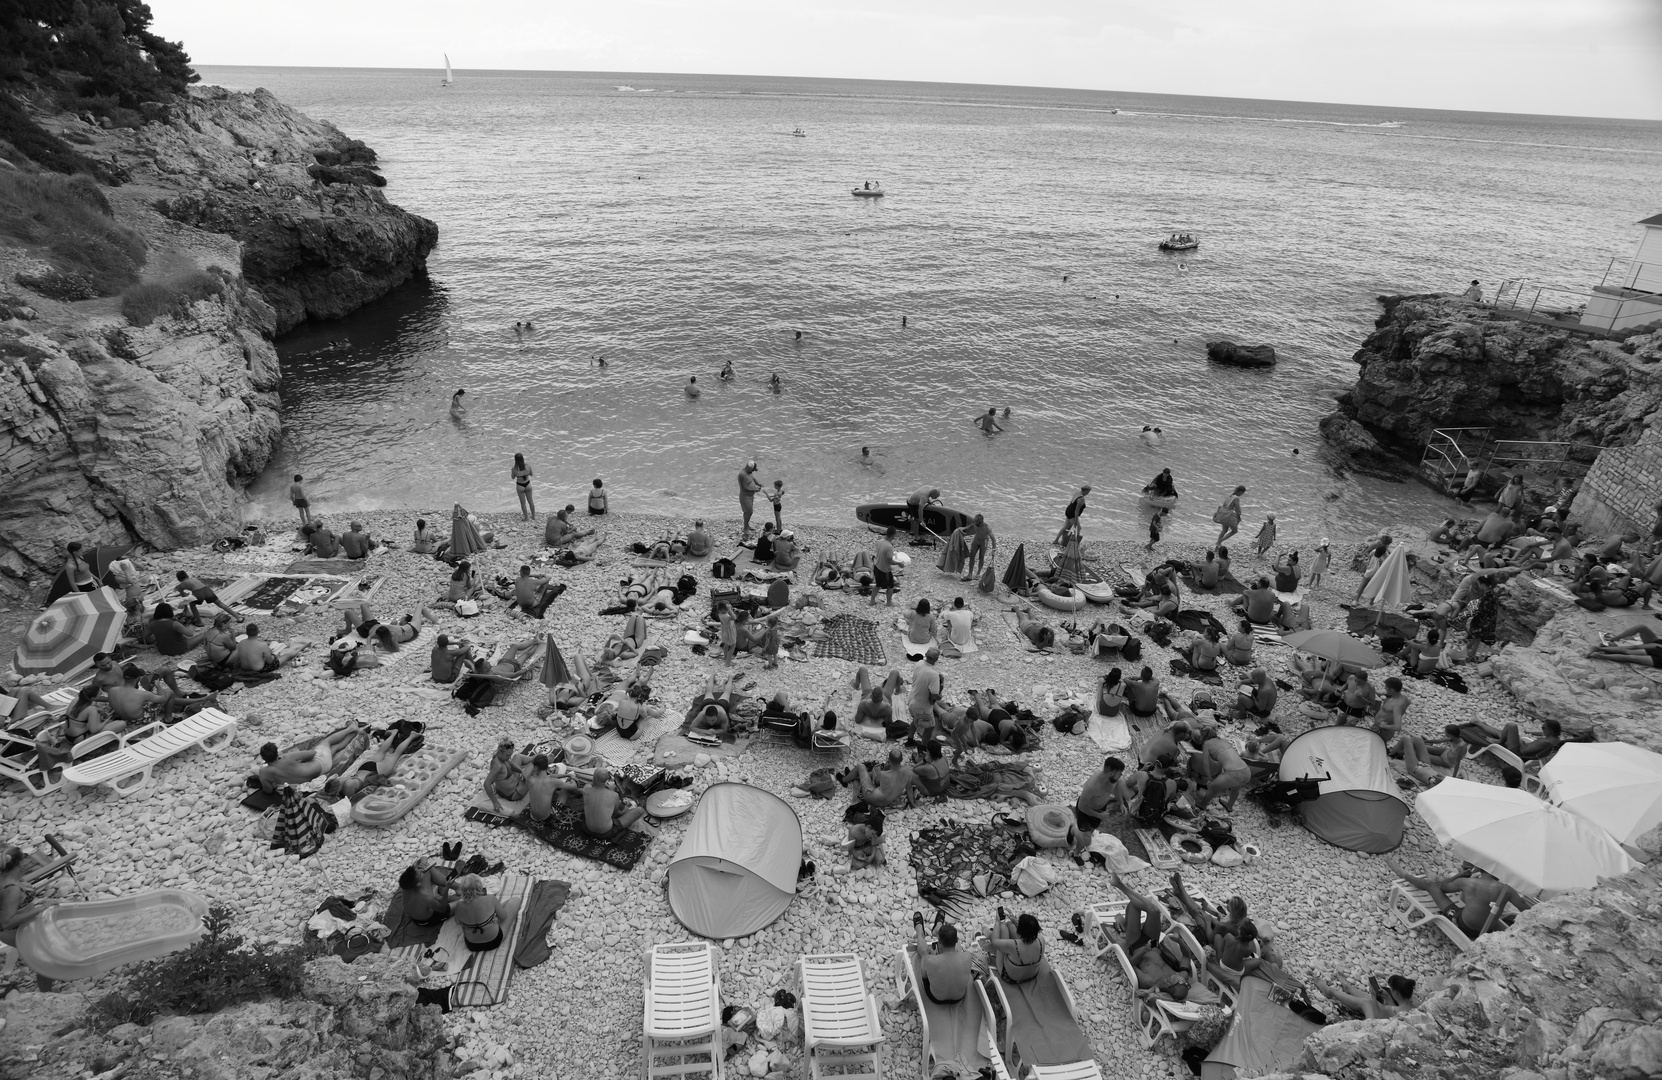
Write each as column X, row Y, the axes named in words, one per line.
column 1504, row 757
column 19, row 761
column 839, row 1018
column 127, row 770
column 964, row 1033
column 1408, row 908
column 1155, row 1016
column 682, row 1026
column 1017, row 1048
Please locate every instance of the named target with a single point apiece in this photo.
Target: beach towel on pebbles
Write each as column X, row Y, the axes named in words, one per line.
column 271, row 593
column 946, row 859
column 564, row 831
column 481, row 978
column 849, row 637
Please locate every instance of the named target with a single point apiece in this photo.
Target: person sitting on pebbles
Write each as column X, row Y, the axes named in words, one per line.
column 301, row 766
column 254, row 655
column 865, row 846
column 427, row 899
column 886, row 787
column 508, row 774
column 624, row 711
column 357, row 544
column 605, row 812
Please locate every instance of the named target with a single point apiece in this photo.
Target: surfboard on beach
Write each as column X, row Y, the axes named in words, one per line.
column 937, row 519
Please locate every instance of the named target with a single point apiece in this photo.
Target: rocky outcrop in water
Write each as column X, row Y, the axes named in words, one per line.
column 1438, row 361
column 116, row 432
column 1228, row 352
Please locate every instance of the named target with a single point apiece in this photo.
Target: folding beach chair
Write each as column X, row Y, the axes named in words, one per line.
column 966, row 1032
column 1408, row 908
column 839, row 1018
column 681, row 1032
column 1155, row 1016
column 1200, row 966
column 127, row 770
column 1506, row 759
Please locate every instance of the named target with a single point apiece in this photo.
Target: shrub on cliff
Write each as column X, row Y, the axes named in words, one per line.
column 66, row 221
column 30, row 142
column 220, row 970
column 106, row 43
column 143, row 303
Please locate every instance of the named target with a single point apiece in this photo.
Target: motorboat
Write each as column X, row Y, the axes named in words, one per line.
column 873, row 192
column 800, row 134
column 939, row 520
column 1180, row 242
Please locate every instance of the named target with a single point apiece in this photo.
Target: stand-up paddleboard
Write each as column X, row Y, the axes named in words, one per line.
column 937, row 519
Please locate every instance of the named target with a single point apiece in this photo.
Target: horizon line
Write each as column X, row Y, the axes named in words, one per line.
column 490, row 72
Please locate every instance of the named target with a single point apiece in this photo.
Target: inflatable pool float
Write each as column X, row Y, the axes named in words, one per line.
column 1165, row 502
column 1072, row 600
column 671, row 802
column 938, row 519
column 85, row 940
column 1097, row 592
column 869, row 193
column 417, row 775
column 1049, row 824
column 1192, row 849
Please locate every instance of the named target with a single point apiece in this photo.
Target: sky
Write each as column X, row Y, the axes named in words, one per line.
column 1561, row 57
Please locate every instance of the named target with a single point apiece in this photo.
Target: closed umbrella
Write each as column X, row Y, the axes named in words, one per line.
column 1390, row 586
column 1616, row 785
column 1533, row 846
column 554, row 670
column 1069, row 565
column 1015, row 575
column 1335, row 645
column 98, row 561
column 464, row 535
column 65, row 637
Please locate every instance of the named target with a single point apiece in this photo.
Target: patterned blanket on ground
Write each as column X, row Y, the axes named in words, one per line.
column 269, row 595
column 946, row 860
column 564, row 831
column 851, row 638
column 992, row 780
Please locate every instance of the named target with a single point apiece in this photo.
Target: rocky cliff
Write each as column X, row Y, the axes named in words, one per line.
column 1568, row 994
column 127, row 422
column 1437, row 361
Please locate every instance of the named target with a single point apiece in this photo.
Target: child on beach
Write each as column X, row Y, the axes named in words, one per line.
column 770, row 642
column 777, row 498
column 297, row 495
column 1318, row 565
column 729, row 634
column 597, row 498
column 1154, row 530
column 1266, row 535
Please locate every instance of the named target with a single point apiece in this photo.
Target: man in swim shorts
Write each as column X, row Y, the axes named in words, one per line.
column 605, row 812
column 748, row 487
column 883, row 568
column 988, row 422
column 202, row 594
column 1094, row 800
column 945, row 969
column 253, row 654
column 299, row 766
column 916, row 503
column 1473, row 902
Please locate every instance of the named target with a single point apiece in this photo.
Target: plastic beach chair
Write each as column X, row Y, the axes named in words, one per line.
column 986, row 1034
column 1507, row 759
column 1200, row 967
column 1408, row 908
column 127, row 770
column 1100, row 922
column 1083, row 1069
column 839, row 1018
column 1156, row 1016
column 681, row 1033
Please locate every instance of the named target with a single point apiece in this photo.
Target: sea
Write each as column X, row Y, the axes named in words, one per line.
column 671, row 224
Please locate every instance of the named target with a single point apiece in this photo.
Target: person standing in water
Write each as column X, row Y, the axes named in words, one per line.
column 726, row 372
column 748, row 487
column 776, row 383
column 1075, row 510
column 1229, row 515
column 692, row 387
column 597, row 499
column 988, row 423
column 458, row 411
column 297, row 495
column 521, row 474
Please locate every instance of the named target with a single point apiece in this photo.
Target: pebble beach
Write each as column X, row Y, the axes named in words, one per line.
column 579, row 1014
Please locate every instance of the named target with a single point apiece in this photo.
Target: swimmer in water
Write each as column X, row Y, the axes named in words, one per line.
column 1150, row 436
column 799, row 335
column 726, row 372
column 988, row 423
column 903, row 322
column 777, row 384
column 600, row 361
column 692, row 387
column 1006, row 412
column 457, row 409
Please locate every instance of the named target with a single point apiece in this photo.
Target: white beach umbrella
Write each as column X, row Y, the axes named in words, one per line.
column 1390, row 585
column 1535, row 847
column 1615, row 785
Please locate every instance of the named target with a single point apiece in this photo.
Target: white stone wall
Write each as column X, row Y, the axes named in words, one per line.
column 1623, row 487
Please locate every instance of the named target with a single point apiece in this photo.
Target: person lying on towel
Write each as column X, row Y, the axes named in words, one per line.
column 300, row 766
column 377, row 767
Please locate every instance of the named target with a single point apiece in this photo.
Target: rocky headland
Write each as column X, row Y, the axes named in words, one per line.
column 1439, row 361
column 135, row 412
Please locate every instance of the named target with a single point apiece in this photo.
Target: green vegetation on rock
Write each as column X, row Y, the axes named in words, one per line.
column 66, row 222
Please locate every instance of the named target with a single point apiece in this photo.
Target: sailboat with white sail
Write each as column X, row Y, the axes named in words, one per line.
column 449, row 79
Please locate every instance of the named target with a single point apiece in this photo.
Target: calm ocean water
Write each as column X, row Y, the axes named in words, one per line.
column 677, row 225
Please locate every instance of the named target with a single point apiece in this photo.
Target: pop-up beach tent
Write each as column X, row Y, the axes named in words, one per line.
column 1358, row 806
column 736, row 870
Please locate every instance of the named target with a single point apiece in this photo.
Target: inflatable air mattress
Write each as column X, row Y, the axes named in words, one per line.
column 85, row 940
column 416, row 776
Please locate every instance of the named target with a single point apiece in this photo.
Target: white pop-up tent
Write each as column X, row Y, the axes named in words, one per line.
column 736, row 870
column 1358, row 807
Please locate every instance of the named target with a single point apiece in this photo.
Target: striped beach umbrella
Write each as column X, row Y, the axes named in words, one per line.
column 464, row 535
column 64, row 638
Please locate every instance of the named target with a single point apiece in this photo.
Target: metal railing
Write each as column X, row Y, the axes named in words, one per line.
column 1543, row 459
column 1628, row 266
column 1535, row 298
column 1451, row 453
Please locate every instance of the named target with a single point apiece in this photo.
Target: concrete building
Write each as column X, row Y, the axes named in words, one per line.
column 1630, row 296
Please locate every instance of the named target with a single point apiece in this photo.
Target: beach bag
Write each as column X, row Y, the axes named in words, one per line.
column 723, row 568
column 211, row 677
column 1221, row 514
column 1072, row 720
column 1034, row 875
column 686, row 586
column 342, row 662
column 467, row 609
column 1131, row 650
column 989, row 581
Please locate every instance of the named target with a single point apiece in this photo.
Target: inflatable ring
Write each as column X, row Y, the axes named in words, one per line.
column 1251, row 853
column 1049, row 824
column 1073, row 601
column 1192, row 849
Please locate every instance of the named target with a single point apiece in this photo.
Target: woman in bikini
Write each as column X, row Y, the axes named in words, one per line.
column 221, row 641
column 1015, row 950
column 521, row 474
column 1229, row 515
column 424, row 542
column 484, row 919
column 86, row 718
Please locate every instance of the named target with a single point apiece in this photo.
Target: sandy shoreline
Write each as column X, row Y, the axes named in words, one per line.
column 1326, row 904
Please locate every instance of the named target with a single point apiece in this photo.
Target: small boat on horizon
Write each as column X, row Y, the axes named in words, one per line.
column 870, row 191
column 799, row 133
column 625, row 89
column 1180, row 242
